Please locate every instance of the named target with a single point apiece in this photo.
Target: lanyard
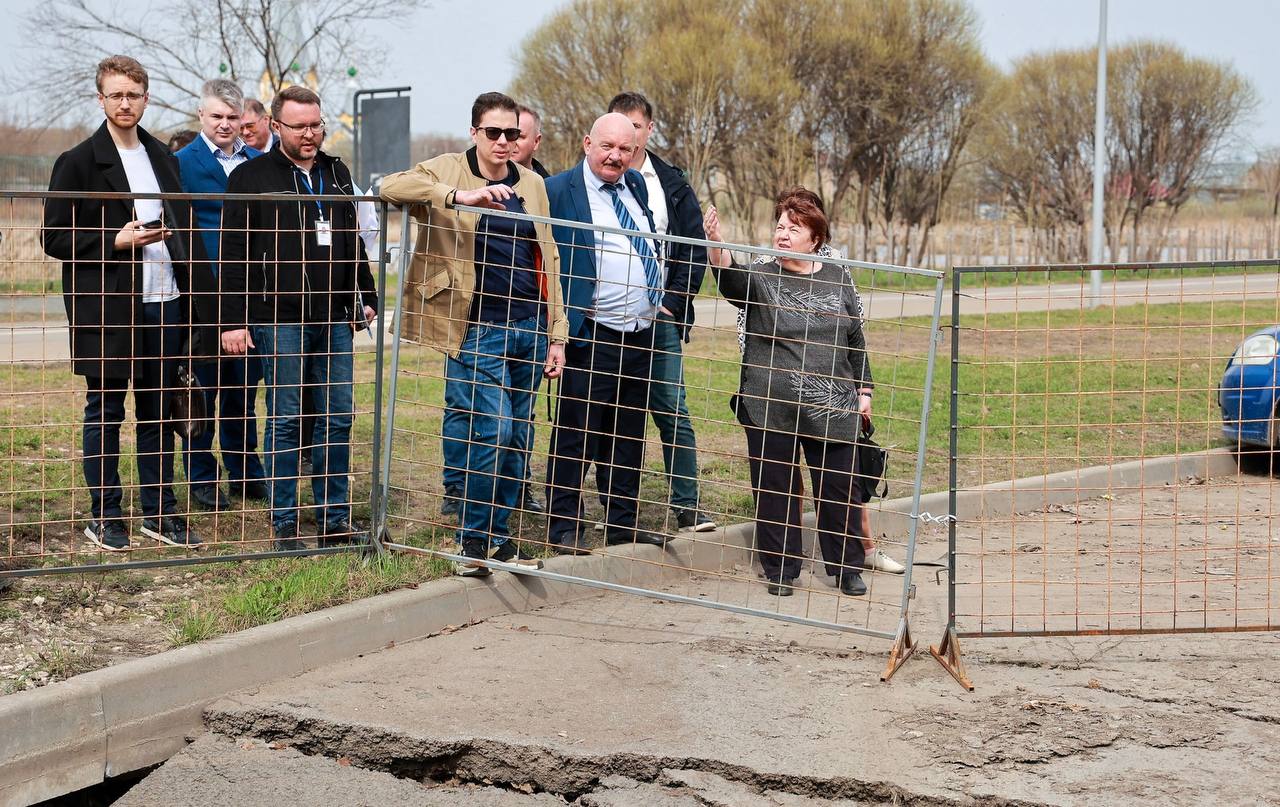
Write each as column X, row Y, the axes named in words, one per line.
column 307, row 181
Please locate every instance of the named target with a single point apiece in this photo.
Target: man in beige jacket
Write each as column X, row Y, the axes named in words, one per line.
column 485, row 290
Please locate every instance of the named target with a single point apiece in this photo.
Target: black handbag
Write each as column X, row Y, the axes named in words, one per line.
column 870, row 463
column 186, row 406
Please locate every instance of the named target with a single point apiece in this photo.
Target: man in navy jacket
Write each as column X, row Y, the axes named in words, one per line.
column 206, row 163
column 615, row 289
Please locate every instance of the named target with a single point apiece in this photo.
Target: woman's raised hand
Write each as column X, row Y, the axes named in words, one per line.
column 711, row 224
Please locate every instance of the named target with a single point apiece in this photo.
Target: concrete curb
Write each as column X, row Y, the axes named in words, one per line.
column 73, row 734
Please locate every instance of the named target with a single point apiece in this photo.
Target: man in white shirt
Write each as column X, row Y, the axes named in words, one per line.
column 614, row 290
column 138, row 294
column 675, row 212
column 231, row 384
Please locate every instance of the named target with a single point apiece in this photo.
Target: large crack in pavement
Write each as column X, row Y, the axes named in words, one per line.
column 587, row 780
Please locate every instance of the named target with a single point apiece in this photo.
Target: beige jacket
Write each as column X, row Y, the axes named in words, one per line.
column 437, row 290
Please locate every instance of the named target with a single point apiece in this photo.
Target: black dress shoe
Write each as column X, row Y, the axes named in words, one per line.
column 210, row 497
column 783, row 588
column 530, row 504
column 851, row 584
column 615, row 536
column 573, row 546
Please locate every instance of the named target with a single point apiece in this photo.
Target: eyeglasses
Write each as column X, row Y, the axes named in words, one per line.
column 314, row 128
column 494, row 132
column 117, row 97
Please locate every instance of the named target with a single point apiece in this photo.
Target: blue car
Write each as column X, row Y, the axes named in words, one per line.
column 1248, row 397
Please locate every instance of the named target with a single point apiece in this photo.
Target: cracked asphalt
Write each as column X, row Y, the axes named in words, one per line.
column 622, row 701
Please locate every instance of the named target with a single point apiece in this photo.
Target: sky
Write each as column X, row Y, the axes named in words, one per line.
column 456, row 49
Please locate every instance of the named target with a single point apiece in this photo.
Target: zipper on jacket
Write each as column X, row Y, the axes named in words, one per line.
column 264, row 277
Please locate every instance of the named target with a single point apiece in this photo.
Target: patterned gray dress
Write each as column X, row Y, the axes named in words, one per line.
column 805, row 355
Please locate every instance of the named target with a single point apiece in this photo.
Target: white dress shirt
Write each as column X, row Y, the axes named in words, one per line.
column 621, row 298
column 227, row 162
column 657, row 198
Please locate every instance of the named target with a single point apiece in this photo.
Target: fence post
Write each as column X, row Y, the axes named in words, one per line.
column 377, row 504
column 947, row 651
column 397, row 324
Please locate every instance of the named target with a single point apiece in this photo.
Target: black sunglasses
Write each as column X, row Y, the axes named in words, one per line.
column 494, row 132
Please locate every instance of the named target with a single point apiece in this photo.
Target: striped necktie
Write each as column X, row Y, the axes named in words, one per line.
column 652, row 274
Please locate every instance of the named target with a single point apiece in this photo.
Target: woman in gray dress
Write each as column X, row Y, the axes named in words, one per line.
column 806, row 381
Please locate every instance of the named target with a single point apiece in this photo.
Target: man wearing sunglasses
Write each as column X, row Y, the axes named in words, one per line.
column 485, row 290
column 295, row 285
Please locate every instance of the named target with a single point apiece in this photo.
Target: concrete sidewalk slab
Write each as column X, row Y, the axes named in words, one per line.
column 560, row 699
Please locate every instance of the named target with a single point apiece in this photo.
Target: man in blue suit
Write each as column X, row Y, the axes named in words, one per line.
column 615, row 289
column 206, row 163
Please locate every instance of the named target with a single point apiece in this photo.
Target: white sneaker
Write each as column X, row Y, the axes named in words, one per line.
column 880, row 562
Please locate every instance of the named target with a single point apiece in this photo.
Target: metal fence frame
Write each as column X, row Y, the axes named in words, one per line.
column 384, row 417
column 375, row 545
column 903, row 643
column 947, row 651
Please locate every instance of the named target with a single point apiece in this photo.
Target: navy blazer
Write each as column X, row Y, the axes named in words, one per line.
column 568, row 197
column 202, row 173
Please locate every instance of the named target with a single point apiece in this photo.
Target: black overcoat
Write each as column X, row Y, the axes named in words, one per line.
column 102, row 286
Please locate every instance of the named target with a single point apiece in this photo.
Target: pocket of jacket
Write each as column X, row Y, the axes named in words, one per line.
column 435, row 284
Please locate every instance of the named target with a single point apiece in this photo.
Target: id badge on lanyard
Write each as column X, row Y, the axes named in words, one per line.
column 324, row 228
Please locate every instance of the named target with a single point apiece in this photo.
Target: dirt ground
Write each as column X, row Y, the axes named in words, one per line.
column 621, row 700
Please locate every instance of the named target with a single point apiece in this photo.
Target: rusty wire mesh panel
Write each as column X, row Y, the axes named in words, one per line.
column 46, row 500
column 712, row 564
column 1120, row 425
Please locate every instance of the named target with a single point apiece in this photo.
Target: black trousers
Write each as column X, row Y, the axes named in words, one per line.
column 156, row 357
column 601, row 411
column 777, row 489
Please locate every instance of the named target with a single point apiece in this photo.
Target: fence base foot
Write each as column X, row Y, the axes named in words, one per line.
column 947, row 653
column 903, row 648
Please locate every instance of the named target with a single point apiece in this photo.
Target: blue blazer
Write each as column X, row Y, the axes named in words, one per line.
column 202, row 173
column 568, row 197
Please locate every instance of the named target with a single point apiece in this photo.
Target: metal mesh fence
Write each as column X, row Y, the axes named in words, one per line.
column 1137, row 430
column 129, row 435
column 633, row 463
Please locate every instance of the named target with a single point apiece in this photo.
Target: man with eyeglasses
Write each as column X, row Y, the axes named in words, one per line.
column 255, row 126
column 485, row 290
column 136, row 288
column 296, row 285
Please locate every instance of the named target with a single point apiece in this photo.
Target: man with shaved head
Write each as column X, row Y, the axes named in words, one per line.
column 615, row 289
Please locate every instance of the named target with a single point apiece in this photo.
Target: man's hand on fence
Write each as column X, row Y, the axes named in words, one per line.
column 488, row 196
column 555, row 361
column 133, row 235
column 237, row 342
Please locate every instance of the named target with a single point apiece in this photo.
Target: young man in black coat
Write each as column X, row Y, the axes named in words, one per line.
column 136, row 290
column 296, row 284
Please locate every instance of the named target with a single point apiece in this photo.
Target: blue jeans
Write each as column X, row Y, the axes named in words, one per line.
column 231, row 385
column 325, row 352
column 671, row 415
column 453, row 431
column 492, row 385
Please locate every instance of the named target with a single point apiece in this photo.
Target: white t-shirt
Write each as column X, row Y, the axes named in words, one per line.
column 158, row 285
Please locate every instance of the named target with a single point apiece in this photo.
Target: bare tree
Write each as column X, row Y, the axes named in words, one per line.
column 263, row 44
column 1037, row 144
column 1170, row 113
